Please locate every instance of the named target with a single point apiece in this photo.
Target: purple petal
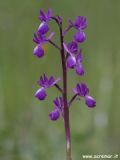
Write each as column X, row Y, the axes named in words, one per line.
column 67, row 50
column 35, row 38
column 56, row 102
column 51, row 80
column 82, row 89
column 39, row 38
column 38, row 51
column 42, row 38
column 90, row 102
column 54, row 115
column 45, row 17
column 80, row 36
column 43, row 28
column 42, row 16
column 46, row 83
column 41, row 81
column 49, row 14
column 71, row 62
column 78, row 89
column 45, row 79
column 81, row 22
column 73, row 47
column 79, row 57
column 79, row 69
column 41, row 94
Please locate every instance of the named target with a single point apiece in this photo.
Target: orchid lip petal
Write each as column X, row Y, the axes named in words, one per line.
column 38, row 51
column 41, row 93
column 90, row 101
column 54, row 115
column 80, row 36
column 79, row 69
column 71, row 62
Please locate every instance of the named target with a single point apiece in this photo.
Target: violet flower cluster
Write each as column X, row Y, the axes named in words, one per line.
column 73, row 60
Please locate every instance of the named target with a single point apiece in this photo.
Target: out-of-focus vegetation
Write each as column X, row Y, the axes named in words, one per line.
column 26, row 133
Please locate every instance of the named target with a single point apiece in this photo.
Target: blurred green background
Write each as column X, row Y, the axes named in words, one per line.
column 26, row 133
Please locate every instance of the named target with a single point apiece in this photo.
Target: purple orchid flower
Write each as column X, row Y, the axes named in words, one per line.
column 82, row 90
column 39, row 36
column 45, row 83
column 80, row 23
column 74, row 61
column 45, row 17
column 71, row 60
column 58, row 109
column 40, row 39
column 72, row 47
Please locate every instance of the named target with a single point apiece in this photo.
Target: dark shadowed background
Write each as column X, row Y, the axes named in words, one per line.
column 26, row 133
